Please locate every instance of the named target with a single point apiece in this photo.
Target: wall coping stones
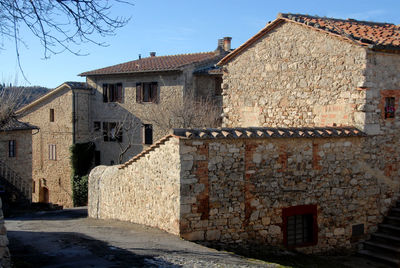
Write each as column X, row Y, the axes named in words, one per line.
column 266, row 132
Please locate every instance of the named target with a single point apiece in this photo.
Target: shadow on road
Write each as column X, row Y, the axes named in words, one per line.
column 63, row 214
column 42, row 249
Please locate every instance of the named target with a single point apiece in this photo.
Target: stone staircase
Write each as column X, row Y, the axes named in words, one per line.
column 13, row 181
column 384, row 245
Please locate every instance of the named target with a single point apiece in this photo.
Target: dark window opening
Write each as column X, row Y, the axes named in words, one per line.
column 148, row 134
column 51, row 115
column 389, row 107
column 112, row 131
column 96, row 126
column 357, row 230
column 218, row 86
column 147, row 92
column 112, row 92
column 12, row 148
column 33, row 186
column 97, row 160
column 300, row 226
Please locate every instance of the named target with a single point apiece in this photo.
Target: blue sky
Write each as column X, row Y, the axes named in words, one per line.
column 175, row 27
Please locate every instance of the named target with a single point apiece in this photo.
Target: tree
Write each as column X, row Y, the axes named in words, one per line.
column 10, row 99
column 59, row 24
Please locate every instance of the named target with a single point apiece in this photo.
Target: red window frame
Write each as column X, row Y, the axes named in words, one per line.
column 300, row 210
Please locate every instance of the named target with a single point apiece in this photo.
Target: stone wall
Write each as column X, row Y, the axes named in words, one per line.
column 5, row 258
column 144, row 192
column 234, row 190
column 22, row 162
column 294, row 77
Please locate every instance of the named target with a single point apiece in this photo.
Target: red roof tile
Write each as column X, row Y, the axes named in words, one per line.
column 374, row 35
column 154, row 64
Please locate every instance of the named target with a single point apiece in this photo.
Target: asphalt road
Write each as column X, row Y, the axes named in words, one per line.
column 67, row 238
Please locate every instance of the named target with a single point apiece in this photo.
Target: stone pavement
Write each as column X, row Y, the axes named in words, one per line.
column 67, row 238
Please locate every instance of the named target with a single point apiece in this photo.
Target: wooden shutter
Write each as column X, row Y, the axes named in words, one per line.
column 139, row 92
column 105, row 95
column 153, row 92
column 119, row 93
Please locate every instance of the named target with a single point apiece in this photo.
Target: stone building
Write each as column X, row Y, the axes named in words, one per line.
column 16, row 159
column 62, row 116
column 134, row 87
column 308, row 157
column 78, row 112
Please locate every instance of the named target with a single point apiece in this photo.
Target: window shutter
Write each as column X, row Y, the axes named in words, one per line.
column 138, row 92
column 119, row 93
column 154, row 93
column 105, row 95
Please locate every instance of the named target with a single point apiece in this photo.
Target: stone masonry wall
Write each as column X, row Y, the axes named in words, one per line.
column 22, row 162
column 234, row 190
column 5, row 258
column 145, row 192
column 294, row 77
column 53, row 175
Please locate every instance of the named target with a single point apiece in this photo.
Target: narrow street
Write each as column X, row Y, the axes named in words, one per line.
column 67, row 238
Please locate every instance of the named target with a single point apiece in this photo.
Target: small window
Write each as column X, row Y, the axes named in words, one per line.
column 112, row 131
column 96, row 126
column 33, row 186
column 12, row 148
column 52, row 152
column 148, row 134
column 300, row 226
column 51, row 115
column 147, row 92
column 112, row 92
column 389, row 107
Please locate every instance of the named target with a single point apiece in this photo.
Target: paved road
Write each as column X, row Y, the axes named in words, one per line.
column 67, row 238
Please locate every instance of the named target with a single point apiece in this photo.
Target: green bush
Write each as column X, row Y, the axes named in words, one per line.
column 80, row 190
column 82, row 155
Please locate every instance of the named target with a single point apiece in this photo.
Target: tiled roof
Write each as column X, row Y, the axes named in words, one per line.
column 211, row 70
column 13, row 124
column 373, row 35
column 266, row 132
column 77, row 85
column 362, row 32
column 155, row 64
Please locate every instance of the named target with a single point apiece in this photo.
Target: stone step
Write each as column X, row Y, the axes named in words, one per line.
column 387, row 238
column 389, row 228
column 394, row 212
column 383, row 248
column 379, row 257
column 394, row 220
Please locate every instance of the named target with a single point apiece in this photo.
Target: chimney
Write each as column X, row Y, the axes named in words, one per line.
column 140, row 56
column 152, row 54
column 227, row 43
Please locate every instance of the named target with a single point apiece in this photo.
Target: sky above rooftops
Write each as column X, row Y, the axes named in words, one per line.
column 176, row 27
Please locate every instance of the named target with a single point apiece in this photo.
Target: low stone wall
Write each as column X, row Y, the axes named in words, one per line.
column 240, row 190
column 5, row 258
column 145, row 192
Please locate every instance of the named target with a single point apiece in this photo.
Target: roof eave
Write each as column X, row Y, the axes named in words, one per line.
column 127, row 73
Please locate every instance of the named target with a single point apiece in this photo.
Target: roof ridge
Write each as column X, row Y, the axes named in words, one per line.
column 285, row 15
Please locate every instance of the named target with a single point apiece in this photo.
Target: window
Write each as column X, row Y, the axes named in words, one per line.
column 389, row 107
column 33, row 186
column 96, row 126
column 147, row 92
column 112, row 92
column 112, row 131
column 52, row 152
column 51, row 115
column 300, row 226
column 148, row 134
column 12, row 148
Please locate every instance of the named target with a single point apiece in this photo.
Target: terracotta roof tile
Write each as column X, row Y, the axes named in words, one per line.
column 373, row 35
column 362, row 32
column 154, row 64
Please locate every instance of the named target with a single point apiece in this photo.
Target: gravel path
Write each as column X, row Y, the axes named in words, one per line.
column 67, row 238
